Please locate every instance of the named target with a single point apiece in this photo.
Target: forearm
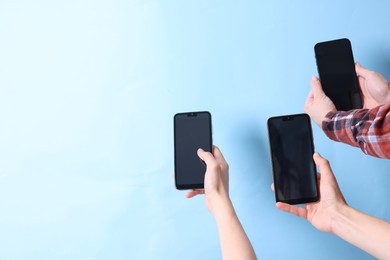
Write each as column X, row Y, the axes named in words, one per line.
column 234, row 241
column 368, row 129
column 366, row 232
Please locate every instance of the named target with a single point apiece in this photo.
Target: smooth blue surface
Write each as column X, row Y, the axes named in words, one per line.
column 88, row 90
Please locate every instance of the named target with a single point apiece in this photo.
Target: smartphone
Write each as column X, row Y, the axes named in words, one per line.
column 192, row 130
column 292, row 149
column 336, row 69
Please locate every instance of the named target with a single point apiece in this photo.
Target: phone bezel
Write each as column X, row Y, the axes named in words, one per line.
column 299, row 200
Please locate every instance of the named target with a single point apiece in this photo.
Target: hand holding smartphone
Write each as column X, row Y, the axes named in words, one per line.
column 336, row 69
column 192, row 130
column 292, row 149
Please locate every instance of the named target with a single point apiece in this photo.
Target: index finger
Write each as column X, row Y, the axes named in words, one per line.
column 297, row 211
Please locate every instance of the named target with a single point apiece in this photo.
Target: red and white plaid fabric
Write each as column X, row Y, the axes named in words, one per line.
column 368, row 129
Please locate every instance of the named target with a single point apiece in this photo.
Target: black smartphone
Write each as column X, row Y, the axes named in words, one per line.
column 336, row 69
column 292, row 149
column 192, row 130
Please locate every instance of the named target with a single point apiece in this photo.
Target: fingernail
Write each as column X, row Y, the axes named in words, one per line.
column 317, row 154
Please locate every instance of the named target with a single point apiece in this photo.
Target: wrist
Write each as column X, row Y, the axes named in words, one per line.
column 340, row 218
column 223, row 208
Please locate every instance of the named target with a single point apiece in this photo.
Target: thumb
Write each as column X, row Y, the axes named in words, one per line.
column 328, row 180
column 317, row 88
column 323, row 164
column 361, row 71
column 207, row 157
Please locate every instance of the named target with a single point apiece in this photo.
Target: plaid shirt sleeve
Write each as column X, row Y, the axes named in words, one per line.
column 368, row 129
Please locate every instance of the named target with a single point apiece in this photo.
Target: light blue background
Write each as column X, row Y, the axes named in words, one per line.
column 88, row 90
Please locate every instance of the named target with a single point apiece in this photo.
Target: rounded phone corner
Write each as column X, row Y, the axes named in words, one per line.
column 179, row 187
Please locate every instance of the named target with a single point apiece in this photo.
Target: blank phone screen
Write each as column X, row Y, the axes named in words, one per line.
column 192, row 131
column 294, row 171
column 336, row 68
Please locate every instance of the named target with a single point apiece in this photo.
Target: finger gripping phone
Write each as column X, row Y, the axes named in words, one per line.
column 336, row 69
column 192, row 130
column 292, row 149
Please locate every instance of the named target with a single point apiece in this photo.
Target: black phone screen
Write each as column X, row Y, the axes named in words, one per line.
column 191, row 131
column 292, row 149
column 336, row 68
